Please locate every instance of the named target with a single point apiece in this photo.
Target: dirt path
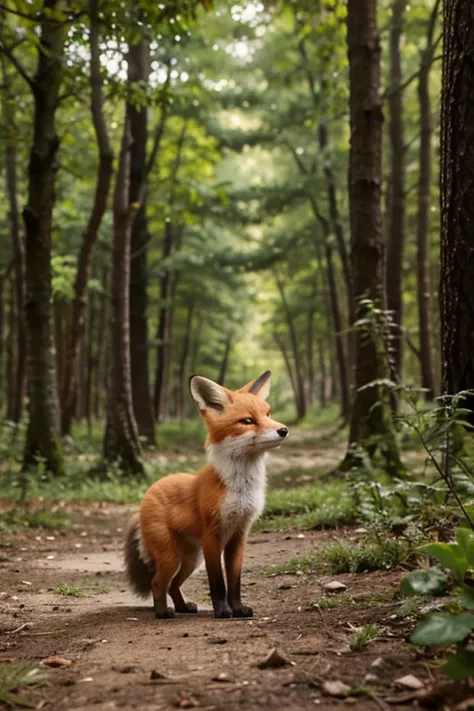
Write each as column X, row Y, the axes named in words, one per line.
column 122, row 658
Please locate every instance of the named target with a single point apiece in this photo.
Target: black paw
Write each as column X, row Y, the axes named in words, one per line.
column 189, row 607
column 242, row 611
column 222, row 611
column 165, row 615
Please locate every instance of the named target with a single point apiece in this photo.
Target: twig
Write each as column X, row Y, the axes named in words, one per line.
column 19, row 629
column 380, row 702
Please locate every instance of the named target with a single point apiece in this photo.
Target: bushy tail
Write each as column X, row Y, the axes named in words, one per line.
column 138, row 573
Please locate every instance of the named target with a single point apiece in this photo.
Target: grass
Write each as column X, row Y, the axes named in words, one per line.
column 17, row 518
column 340, row 557
column 359, row 640
column 315, row 506
column 13, row 679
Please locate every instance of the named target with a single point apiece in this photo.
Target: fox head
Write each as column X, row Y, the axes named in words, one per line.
column 241, row 418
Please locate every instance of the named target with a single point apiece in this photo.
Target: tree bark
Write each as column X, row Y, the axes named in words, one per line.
column 162, row 323
column 371, row 421
column 11, row 340
column 225, row 359
column 102, row 189
column 138, row 71
column 457, row 200
column 101, row 355
column 121, row 441
column 423, row 223
column 42, row 437
column 182, row 381
column 396, row 222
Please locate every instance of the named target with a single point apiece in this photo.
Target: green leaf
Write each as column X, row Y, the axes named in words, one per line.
column 424, row 582
column 466, row 597
column 451, row 555
column 442, row 629
column 460, row 665
column 465, row 539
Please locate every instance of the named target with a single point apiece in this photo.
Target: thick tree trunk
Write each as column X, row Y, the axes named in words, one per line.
column 457, row 199
column 396, row 222
column 371, row 421
column 102, row 189
column 42, row 437
column 138, row 71
column 423, row 224
column 121, row 440
column 162, row 323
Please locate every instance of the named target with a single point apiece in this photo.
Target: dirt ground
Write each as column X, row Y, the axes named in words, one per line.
column 122, row 658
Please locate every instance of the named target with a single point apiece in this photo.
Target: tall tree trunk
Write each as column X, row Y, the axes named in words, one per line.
column 310, row 345
column 18, row 246
column 101, row 357
column 225, row 358
column 11, row 380
column 102, row 189
column 323, row 376
column 371, row 421
column 90, row 359
column 42, row 437
column 138, row 71
column 183, row 360
column 423, row 223
column 162, row 322
column 396, row 233
column 121, row 440
column 457, row 200
column 299, row 381
column 289, row 369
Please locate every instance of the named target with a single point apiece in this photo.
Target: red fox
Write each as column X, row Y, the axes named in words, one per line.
column 184, row 517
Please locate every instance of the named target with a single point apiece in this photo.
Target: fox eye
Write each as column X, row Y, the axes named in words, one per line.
column 247, row 421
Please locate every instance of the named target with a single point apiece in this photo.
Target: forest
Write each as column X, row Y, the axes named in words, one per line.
column 221, row 188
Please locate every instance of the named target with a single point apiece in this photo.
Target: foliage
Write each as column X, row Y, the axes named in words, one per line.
column 359, row 640
column 14, row 678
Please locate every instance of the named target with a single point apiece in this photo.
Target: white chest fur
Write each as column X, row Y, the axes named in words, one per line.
column 245, row 479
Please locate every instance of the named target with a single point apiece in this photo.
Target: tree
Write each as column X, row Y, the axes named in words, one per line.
column 396, row 230
column 371, row 425
column 457, row 198
column 102, row 189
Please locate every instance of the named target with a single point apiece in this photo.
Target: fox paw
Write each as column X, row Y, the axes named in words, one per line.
column 242, row 611
column 165, row 614
column 222, row 612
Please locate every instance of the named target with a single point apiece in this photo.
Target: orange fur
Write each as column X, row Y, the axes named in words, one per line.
column 184, row 515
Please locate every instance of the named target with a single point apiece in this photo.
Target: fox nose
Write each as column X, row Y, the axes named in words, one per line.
column 283, row 431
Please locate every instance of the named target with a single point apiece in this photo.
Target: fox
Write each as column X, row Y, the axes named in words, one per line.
column 185, row 518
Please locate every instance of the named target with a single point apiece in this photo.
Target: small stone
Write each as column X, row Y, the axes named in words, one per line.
column 334, row 586
column 274, row 660
column 154, row 675
column 336, row 688
column 218, row 640
column 409, row 682
column 300, row 535
column 360, row 530
column 222, row 677
column 377, row 663
column 129, row 670
column 371, row 679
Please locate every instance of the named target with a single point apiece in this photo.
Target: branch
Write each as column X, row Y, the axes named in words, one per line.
column 405, row 84
column 19, row 67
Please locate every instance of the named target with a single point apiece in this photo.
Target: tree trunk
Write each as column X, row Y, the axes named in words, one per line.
column 162, row 322
column 310, row 346
column 423, row 224
column 298, row 378
column 396, row 233
column 182, row 382
column 101, row 356
column 289, row 369
column 11, row 380
column 457, row 200
column 138, row 71
column 42, row 437
column 102, row 189
column 371, row 421
column 225, row 359
column 121, row 441
column 323, row 377
column 90, row 359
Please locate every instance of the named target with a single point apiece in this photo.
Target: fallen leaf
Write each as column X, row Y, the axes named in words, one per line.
column 274, row 660
column 57, row 662
column 336, row 688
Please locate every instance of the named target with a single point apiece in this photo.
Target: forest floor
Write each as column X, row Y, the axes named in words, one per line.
column 63, row 594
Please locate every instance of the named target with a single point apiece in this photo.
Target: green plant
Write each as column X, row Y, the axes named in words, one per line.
column 14, row 678
column 344, row 558
column 70, row 591
column 362, row 637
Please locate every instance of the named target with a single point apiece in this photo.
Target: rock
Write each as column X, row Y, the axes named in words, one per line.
column 274, row 660
column 334, row 586
column 377, row 663
column 370, row 679
column 154, row 675
column 217, row 640
column 336, row 688
column 129, row 670
column 222, row 677
column 409, row 682
column 57, row 662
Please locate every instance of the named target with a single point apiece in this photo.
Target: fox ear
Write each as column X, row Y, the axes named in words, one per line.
column 260, row 387
column 207, row 394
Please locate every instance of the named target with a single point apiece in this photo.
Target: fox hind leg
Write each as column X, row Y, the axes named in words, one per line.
column 191, row 557
column 168, row 564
